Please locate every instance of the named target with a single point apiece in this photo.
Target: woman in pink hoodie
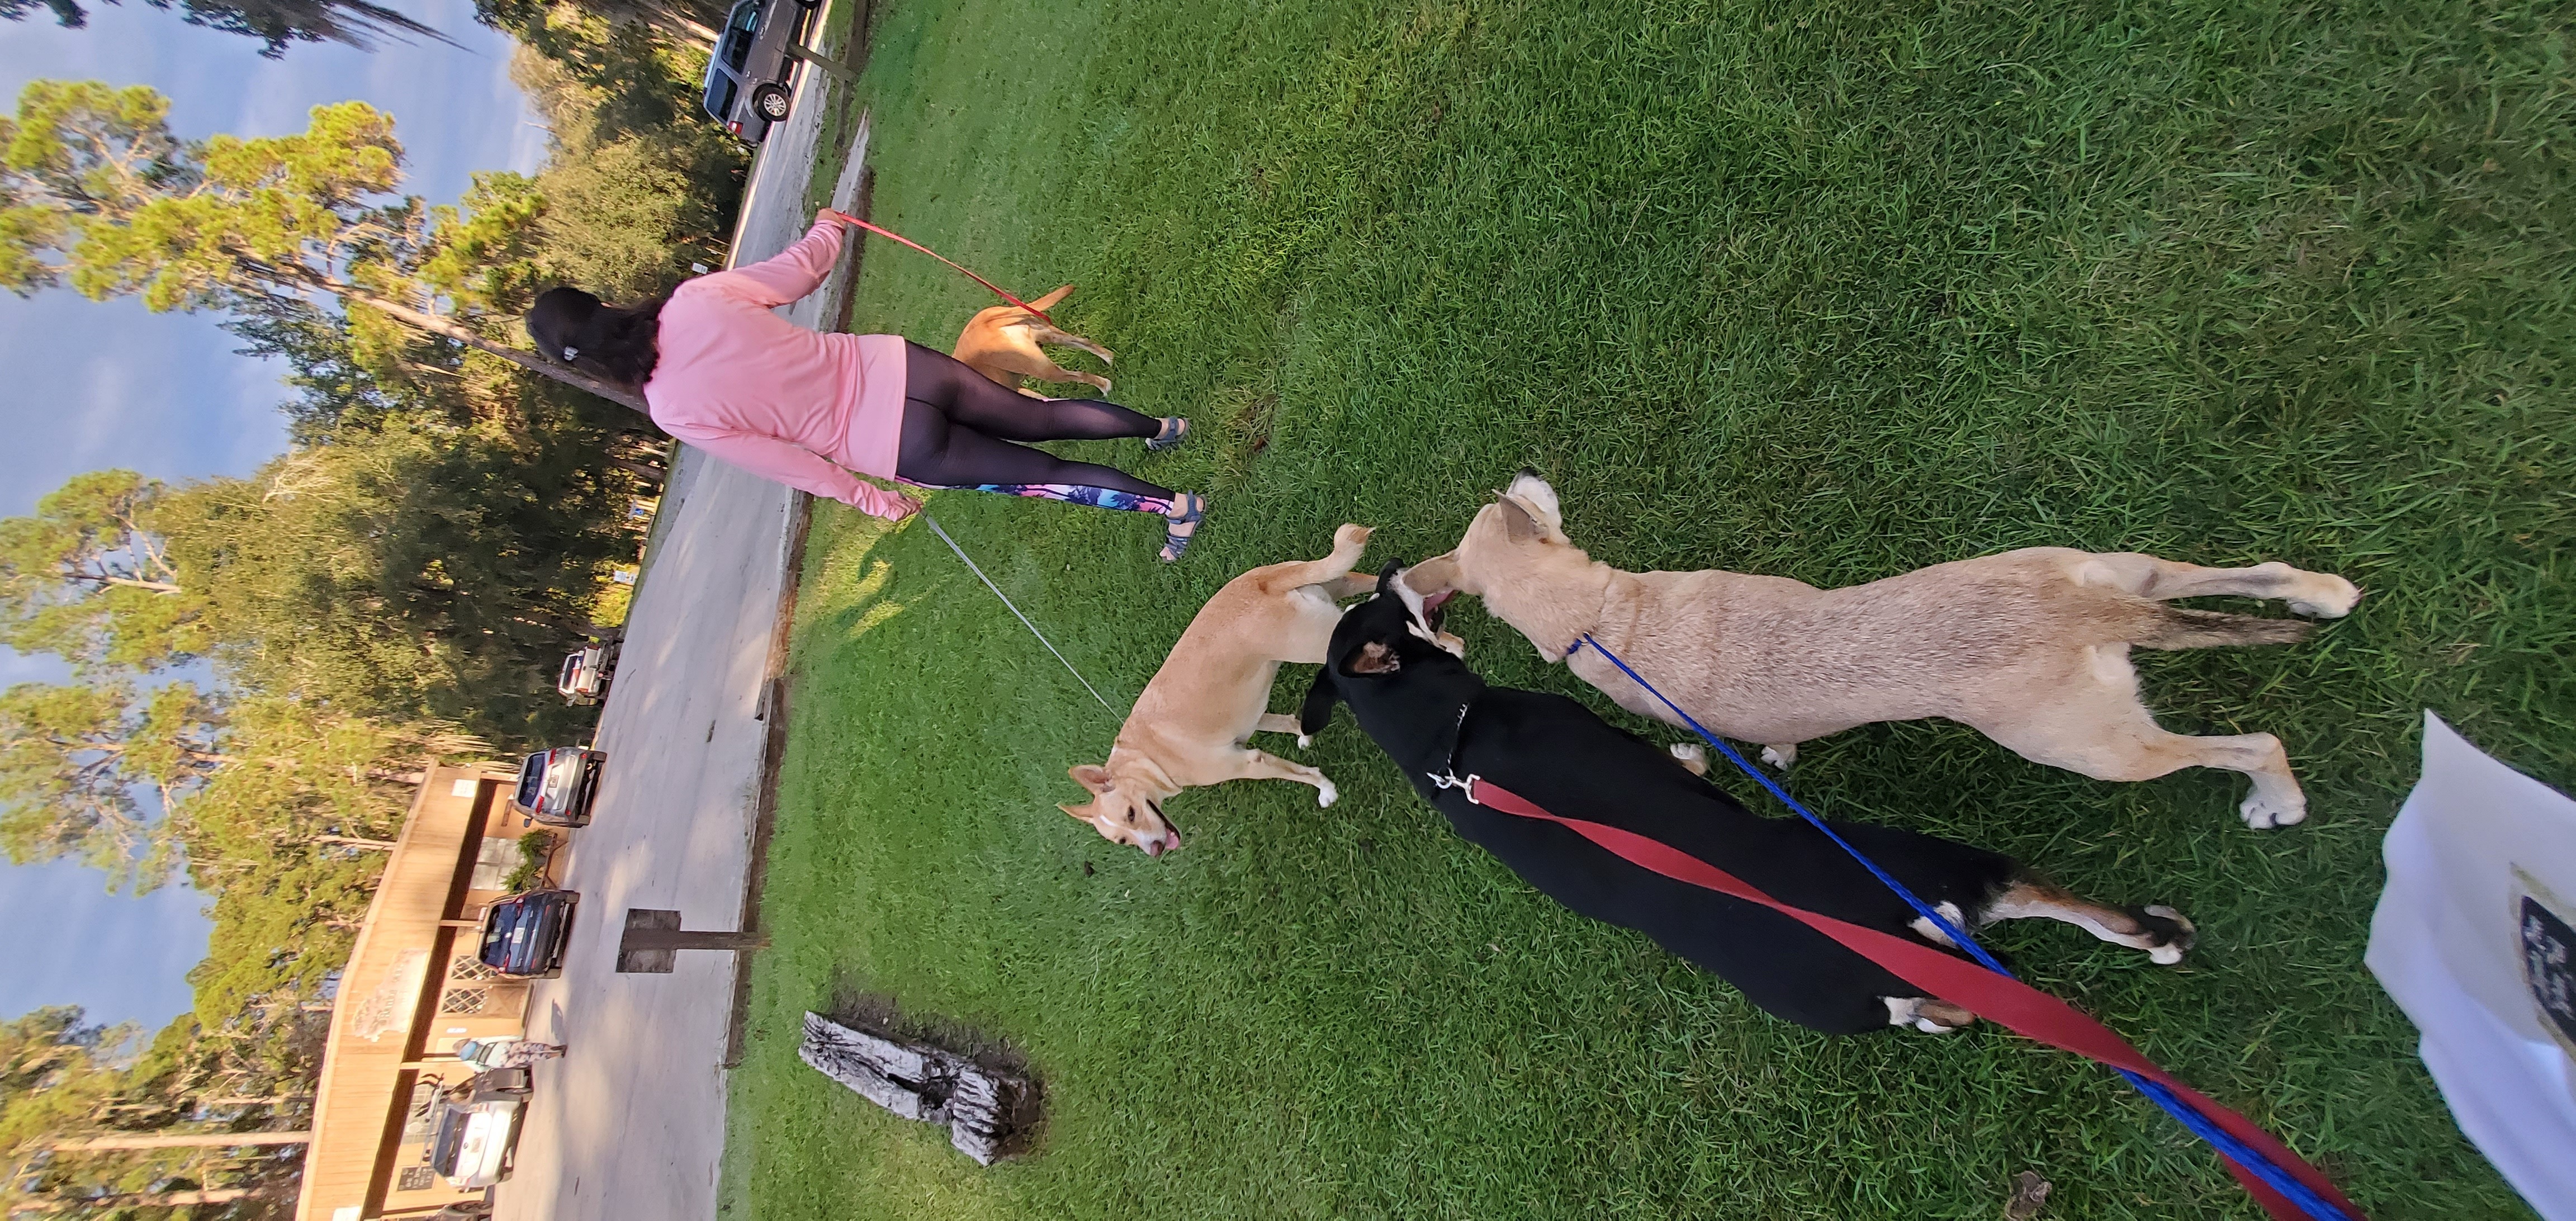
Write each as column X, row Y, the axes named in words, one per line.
column 722, row 372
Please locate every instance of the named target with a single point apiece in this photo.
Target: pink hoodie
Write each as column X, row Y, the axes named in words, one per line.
column 798, row 406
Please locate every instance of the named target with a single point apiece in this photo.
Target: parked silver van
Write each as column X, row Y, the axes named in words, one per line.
column 747, row 87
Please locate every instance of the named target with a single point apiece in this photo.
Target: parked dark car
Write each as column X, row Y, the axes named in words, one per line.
column 747, row 87
column 523, row 935
column 556, row 786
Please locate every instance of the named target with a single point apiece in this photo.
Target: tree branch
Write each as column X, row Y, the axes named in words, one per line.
column 158, row 587
column 452, row 329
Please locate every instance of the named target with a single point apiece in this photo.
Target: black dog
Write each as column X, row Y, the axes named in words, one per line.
column 1436, row 719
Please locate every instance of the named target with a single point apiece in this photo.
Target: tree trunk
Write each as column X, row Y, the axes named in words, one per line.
column 988, row 1114
column 185, row 1140
column 137, row 1199
column 440, row 325
column 645, row 471
column 372, row 845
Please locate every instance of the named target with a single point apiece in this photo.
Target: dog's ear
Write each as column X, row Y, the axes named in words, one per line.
column 1091, row 776
column 1386, row 577
column 1375, row 657
column 1317, row 712
column 1536, row 496
column 1080, row 813
column 1518, row 526
column 1434, row 577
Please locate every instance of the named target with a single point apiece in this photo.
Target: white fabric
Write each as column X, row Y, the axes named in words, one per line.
column 2472, row 939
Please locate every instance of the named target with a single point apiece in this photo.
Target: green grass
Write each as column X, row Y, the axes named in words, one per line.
column 1829, row 292
column 832, row 36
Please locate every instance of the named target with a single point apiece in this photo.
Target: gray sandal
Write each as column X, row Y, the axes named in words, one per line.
column 1174, row 542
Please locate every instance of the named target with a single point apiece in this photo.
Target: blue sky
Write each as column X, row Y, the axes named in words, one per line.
column 96, row 385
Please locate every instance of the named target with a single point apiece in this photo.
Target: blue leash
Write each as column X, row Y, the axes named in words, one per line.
column 2197, row 1124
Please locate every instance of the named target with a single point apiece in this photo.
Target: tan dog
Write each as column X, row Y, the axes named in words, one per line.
column 2030, row 647
column 1002, row 343
column 1192, row 725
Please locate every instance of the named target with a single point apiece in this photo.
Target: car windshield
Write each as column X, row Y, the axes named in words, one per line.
column 571, row 670
column 719, row 99
column 449, row 1139
column 532, row 779
column 497, row 927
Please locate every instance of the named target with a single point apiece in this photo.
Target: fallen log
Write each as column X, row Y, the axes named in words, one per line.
column 985, row 1111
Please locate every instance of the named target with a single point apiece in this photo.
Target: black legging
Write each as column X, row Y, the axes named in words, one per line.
column 959, row 426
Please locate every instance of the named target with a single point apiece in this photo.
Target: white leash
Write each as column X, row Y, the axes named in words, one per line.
column 1024, row 619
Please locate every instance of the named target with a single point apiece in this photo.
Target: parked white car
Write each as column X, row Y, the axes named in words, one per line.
column 586, row 672
column 478, row 1128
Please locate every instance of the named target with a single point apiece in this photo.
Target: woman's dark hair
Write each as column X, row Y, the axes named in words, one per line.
column 611, row 341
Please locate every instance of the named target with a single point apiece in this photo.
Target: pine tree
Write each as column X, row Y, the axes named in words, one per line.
column 97, row 194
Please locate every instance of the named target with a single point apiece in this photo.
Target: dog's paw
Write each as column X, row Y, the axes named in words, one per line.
column 1691, row 755
column 1926, row 1014
column 1305, row 741
column 1781, row 757
column 2176, row 942
column 2326, row 597
column 2263, row 813
column 1326, row 795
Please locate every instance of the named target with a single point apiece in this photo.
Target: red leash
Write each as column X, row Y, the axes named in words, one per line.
column 2000, row 999
column 847, row 219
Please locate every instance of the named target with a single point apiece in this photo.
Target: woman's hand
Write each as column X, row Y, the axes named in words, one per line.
column 845, row 220
column 878, row 502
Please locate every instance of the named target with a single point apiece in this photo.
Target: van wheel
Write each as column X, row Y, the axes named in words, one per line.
column 771, row 103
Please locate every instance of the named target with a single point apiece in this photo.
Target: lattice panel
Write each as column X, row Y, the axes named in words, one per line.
column 466, row 968
column 464, row 1001
column 416, row 1178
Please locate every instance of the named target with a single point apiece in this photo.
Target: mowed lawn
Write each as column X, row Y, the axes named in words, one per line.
column 1827, row 291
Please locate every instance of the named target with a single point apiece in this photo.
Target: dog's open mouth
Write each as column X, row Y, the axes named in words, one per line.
column 1431, row 606
column 1169, row 840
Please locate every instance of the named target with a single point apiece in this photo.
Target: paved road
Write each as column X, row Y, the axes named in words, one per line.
column 629, row 1125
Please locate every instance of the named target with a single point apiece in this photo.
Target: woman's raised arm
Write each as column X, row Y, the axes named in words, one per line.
column 791, row 273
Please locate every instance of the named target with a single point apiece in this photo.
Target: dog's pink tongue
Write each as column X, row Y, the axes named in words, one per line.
column 1438, row 600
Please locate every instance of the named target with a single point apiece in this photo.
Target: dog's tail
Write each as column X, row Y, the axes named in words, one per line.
column 2175, row 627
column 1048, row 301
